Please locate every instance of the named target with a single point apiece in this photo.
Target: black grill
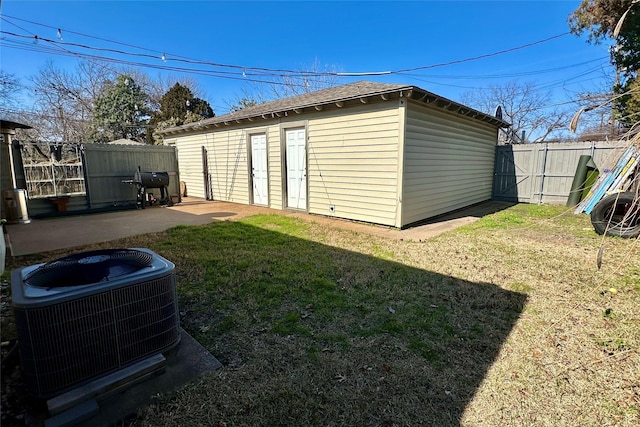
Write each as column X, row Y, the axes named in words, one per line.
column 145, row 180
column 152, row 179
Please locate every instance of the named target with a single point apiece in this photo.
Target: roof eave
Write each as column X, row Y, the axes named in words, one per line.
column 10, row 124
column 455, row 107
column 277, row 113
column 411, row 92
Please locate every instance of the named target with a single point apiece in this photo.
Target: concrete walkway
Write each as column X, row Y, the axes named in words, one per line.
column 44, row 235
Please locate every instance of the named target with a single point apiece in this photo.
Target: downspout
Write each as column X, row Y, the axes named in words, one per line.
column 7, row 138
column 402, row 120
column 85, row 173
column 542, row 174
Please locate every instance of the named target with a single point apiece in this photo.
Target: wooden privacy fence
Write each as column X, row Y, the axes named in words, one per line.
column 57, row 180
column 543, row 172
column 107, row 165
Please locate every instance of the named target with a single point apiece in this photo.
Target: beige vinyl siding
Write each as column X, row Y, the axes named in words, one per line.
column 228, row 163
column 274, row 159
column 189, row 151
column 448, row 162
column 228, row 167
column 227, row 157
column 352, row 163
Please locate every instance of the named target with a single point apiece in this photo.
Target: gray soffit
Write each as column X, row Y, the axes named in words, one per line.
column 332, row 98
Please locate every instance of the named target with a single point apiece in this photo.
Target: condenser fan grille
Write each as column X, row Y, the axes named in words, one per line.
column 88, row 268
column 67, row 343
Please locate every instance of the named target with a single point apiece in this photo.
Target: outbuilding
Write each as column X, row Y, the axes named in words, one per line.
column 381, row 153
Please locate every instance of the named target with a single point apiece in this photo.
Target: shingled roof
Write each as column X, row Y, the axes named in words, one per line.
column 335, row 97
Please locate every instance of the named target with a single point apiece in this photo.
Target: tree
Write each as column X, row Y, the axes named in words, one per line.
column 618, row 21
column 627, row 107
column 177, row 107
column 63, row 101
column 9, row 90
column 599, row 19
column 178, row 101
column 242, row 103
column 157, row 87
column 522, row 106
column 311, row 79
column 596, row 123
column 121, row 111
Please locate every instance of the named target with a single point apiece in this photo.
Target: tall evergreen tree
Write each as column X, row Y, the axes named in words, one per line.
column 121, row 111
column 177, row 107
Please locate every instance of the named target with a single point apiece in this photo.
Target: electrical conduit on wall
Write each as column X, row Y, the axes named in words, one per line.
column 3, row 248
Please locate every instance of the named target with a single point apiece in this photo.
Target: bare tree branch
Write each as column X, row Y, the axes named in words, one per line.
column 524, row 106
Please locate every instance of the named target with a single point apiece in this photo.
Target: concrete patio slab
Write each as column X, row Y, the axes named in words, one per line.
column 44, row 235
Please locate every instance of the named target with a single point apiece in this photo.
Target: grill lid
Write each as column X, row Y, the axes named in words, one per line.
column 88, row 267
column 151, row 179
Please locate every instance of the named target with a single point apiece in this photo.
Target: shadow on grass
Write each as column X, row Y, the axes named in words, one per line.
column 330, row 336
column 312, row 334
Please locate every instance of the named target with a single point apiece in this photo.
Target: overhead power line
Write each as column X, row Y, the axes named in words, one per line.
column 487, row 55
column 127, row 54
column 602, row 59
column 244, row 69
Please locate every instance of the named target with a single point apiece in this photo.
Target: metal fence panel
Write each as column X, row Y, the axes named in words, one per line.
column 543, row 172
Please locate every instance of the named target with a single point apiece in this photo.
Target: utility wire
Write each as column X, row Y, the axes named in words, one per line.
column 244, row 68
column 244, row 75
column 211, row 73
column 475, row 58
column 250, row 73
column 506, row 75
column 257, row 74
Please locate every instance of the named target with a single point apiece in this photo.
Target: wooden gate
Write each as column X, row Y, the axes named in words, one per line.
column 512, row 181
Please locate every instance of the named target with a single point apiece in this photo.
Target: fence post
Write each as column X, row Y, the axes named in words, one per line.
column 85, row 175
column 542, row 174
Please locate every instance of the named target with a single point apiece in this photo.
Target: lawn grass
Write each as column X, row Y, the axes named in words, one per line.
column 506, row 321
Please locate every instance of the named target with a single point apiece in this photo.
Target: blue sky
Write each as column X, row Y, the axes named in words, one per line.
column 351, row 37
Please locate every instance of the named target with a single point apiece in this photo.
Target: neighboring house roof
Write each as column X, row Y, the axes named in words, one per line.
column 336, row 96
column 10, row 124
column 125, row 141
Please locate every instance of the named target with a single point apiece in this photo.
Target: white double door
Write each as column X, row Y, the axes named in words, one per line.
column 259, row 172
column 296, row 158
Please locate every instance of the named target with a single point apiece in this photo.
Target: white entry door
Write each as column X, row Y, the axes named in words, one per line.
column 296, row 168
column 259, row 175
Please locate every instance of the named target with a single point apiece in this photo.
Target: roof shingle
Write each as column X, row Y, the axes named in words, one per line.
column 334, row 94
